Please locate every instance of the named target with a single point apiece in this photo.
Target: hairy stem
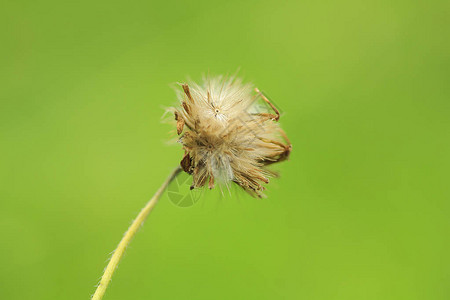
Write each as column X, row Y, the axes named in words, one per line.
column 128, row 236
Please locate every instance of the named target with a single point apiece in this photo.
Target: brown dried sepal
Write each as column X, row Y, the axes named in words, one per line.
column 187, row 91
column 199, row 176
column 180, row 123
column 275, row 116
column 186, row 163
column 211, row 182
column 189, row 98
column 250, row 185
column 281, row 151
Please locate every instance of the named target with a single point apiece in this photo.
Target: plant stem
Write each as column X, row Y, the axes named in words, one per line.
column 128, row 236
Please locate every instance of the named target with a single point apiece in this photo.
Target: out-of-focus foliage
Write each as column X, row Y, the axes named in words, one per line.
column 361, row 210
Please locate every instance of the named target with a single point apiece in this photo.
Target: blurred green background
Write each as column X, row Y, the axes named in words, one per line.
column 361, row 210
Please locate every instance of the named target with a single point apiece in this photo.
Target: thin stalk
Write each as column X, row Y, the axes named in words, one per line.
column 128, row 236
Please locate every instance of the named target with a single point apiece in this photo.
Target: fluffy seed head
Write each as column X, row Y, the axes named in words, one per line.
column 230, row 133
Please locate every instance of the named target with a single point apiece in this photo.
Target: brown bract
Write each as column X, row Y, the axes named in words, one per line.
column 230, row 133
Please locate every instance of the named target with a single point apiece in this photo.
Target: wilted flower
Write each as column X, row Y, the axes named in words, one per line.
column 227, row 135
column 227, row 138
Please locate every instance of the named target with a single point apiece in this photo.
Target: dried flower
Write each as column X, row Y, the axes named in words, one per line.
column 227, row 135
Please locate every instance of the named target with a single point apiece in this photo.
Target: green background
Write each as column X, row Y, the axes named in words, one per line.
column 361, row 210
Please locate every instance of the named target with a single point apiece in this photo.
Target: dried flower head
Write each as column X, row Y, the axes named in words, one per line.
column 227, row 135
